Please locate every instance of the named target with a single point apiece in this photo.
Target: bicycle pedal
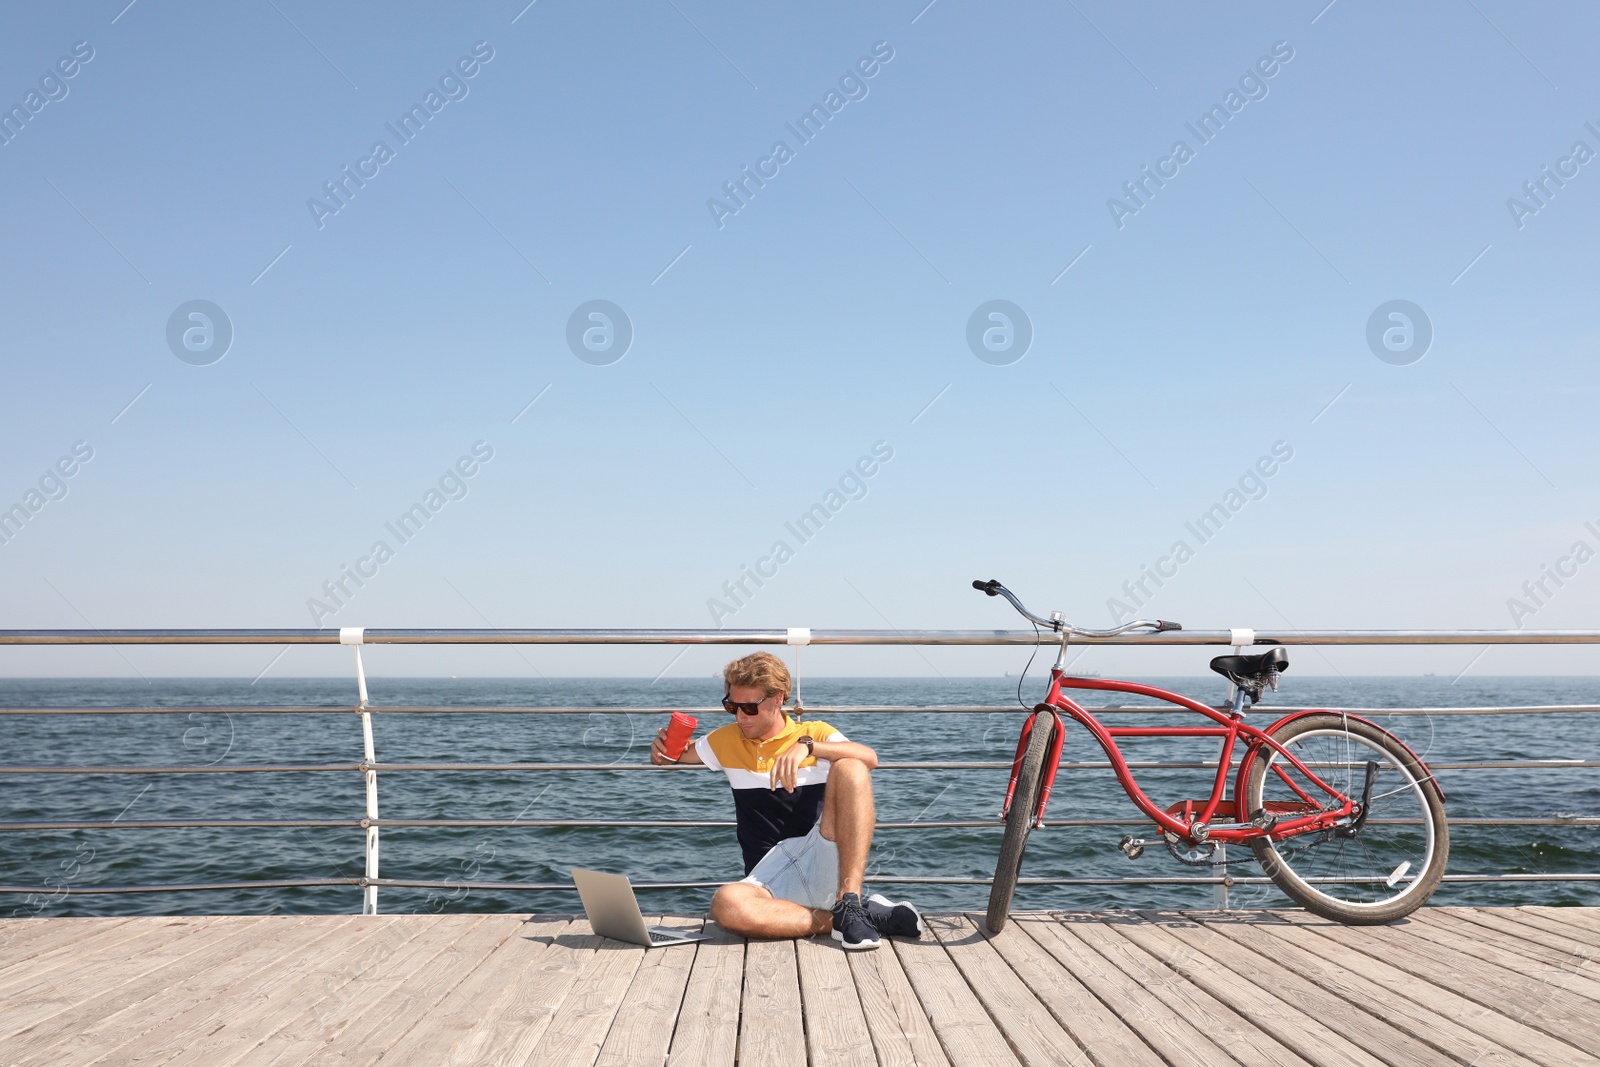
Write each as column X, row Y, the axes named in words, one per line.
column 1132, row 846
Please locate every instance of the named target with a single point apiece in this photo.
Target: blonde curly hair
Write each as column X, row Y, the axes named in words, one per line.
column 761, row 670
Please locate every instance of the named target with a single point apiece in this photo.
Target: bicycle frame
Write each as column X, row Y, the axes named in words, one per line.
column 1317, row 814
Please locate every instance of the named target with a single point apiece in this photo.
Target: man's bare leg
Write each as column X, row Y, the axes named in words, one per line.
column 848, row 816
column 752, row 911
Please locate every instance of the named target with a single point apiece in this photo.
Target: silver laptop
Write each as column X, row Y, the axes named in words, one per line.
column 614, row 912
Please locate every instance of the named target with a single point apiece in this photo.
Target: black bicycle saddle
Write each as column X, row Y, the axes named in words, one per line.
column 1252, row 674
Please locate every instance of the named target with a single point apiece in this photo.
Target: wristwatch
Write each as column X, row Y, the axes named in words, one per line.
column 811, row 746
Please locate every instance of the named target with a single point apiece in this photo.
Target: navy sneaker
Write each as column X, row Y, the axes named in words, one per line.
column 851, row 926
column 894, row 918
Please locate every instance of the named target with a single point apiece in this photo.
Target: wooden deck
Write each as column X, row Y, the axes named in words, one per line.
column 1452, row 986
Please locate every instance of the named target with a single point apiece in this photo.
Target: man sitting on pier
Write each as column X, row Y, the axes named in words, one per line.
column 802, row 873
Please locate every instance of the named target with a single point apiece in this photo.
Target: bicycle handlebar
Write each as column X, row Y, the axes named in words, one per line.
column 993, row 588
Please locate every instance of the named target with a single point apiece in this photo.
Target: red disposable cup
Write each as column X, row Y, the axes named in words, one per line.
column 679, row 730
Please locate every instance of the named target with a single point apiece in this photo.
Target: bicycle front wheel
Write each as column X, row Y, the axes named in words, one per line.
column 1390, row 866
column 1019, row 820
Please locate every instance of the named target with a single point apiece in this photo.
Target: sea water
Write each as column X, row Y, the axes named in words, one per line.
column 78, row 859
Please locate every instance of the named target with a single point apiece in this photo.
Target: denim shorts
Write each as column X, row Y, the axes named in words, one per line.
column 802, row 869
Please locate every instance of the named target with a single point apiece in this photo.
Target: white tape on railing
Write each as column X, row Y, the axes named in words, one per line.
column 799, row 635
column 352, row 635
column 1243, row 637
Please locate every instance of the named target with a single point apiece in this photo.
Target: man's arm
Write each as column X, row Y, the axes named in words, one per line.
column 837, row 750
column 658, row 751
column 786, row 768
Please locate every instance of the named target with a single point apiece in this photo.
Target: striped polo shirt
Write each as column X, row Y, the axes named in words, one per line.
column 765, row 815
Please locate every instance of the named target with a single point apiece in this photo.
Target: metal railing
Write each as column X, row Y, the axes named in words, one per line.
column 369, row 766
column 794, row 635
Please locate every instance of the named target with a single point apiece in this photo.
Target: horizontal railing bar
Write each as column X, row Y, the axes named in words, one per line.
column 265, row 768
column 660, row 824
column 191, row 709
column 840, row 709
column 971, row 765
column 382, row 636
column 182, row 824
column 941, row 879
column 88, row 890
column 924, row 765
column 907, row 879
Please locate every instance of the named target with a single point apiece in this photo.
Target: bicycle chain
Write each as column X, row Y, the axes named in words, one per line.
column 1319, row 838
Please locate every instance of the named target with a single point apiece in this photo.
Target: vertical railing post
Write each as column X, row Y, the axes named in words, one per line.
column 353, row 635
column 1242, row 638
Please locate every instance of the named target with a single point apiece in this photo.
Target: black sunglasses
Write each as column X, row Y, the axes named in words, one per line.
column 734, row 707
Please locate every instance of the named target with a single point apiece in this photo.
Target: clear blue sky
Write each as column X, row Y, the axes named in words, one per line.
column 774, row 346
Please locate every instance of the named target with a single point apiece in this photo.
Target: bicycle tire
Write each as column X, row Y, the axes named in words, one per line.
column 1394, row 863
column 1019, row 820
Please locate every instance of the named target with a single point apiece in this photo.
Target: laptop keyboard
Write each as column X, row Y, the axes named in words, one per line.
column 662, row 939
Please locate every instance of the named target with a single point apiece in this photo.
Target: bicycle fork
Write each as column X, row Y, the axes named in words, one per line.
column 1047, row 772
column 1053, row 757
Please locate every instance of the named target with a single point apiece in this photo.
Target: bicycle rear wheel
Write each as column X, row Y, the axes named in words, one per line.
column 1384, row 871
column 1019, row 820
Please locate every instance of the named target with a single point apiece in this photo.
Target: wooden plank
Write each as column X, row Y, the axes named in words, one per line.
column 1502, row 934
column 579, row 1027
column 1519, row 958
column 708, row 1021
column 435, row 1040
column 901, row 1034
column 1588, row 918
column 1171, row 940
column 1053, row 969
column 508, row 1033
column 770, row 1029
column 279, row 1002
column 17, row 932
column 103, row 940
column 1574, row 934
column 382, row 971
column 1421, row 1010
column 1359, row 1019
column 103, row 986
column 835, row 1024
column 642, row 1029
column 407, row 1001
column 23, row 940
column 965, row 1030
column 72, row 942
column 192, row 1001
column 1028, row 1025
column 1501, row 987
column 1512, row 937
column 1179, row 1020
column 1551, row 919
column 1557, row 944
column 102, row 989
column 1494, row 1026
column 1527, row 997
column 20, row 931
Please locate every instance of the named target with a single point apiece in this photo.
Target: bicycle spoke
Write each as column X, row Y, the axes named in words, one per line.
column 1374, row 873
column 1407, row 788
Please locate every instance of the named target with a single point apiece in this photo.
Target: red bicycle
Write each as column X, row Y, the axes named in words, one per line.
column 1340, row 813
